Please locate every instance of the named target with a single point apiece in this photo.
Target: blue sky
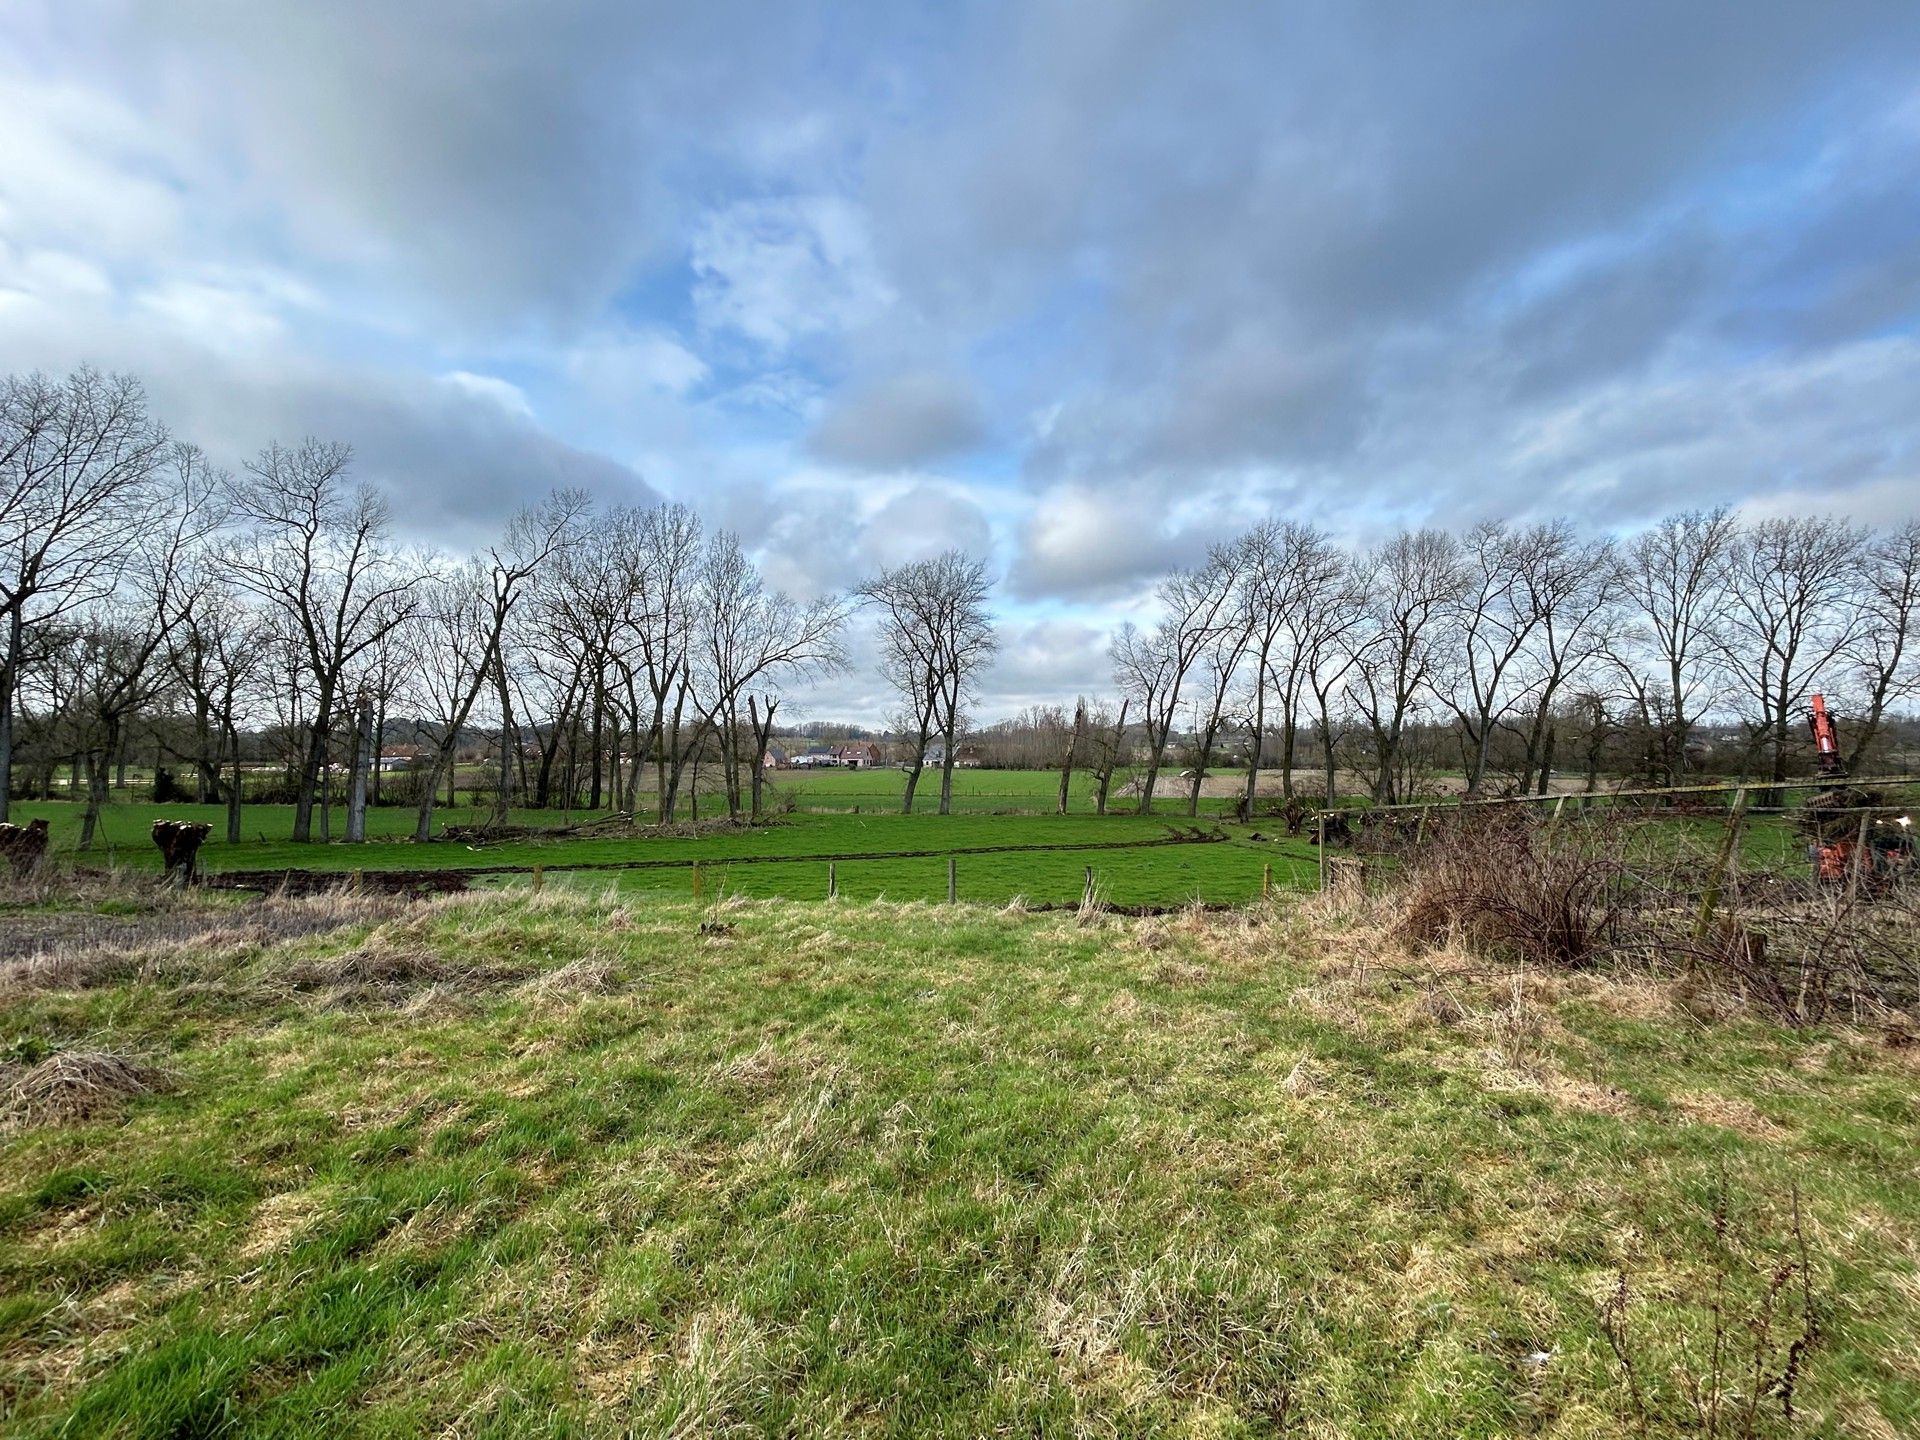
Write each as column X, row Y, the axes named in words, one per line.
column 1079, row 286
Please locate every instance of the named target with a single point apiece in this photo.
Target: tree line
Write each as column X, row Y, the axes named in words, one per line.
column 609, row 651
column 602, row 647
column 1514, row 634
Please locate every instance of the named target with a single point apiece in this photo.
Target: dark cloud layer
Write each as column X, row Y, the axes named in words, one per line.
column 1150, row 270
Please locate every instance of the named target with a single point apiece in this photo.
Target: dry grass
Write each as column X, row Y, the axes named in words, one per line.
column 77, row 1085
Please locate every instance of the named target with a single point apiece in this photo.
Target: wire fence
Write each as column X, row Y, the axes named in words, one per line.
column 1804, row 894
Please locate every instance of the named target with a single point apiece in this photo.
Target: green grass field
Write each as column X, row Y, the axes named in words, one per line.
column 877, row 852
column 979, row 790
column 512, row 1166
column 1049, row 870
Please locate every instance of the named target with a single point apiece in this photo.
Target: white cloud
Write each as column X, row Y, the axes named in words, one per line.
column 618, row 364
column 504, row 393
column 781, row 271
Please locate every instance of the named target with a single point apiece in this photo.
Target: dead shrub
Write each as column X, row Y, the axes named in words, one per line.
column 1505, row 884
column 1803, row 958
column 79, row 1085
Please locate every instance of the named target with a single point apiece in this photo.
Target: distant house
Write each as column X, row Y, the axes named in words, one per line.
column 400, row 757
column 965, row 757
column 813, row 756
column 775, row 758
column 857, row 754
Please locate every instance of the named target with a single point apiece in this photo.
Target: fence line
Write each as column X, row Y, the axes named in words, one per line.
column 1829, row 782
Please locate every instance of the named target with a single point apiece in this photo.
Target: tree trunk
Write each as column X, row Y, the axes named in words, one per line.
column 1157, row 749
column 361, row 763
column 96, row 796
column 233, row 793
column 9, row 678
column 1254, row 749
column 946, row 771
column 1066, row 766
column 310, row 770
column 504, row 794
column 762, row 736
column 1332, row 792
column 676, row 757
column 599, row 712
column 1112, row 760
column 379, row 746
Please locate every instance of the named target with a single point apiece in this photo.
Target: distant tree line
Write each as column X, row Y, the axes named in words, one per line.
column 271, row 620
column 1503, row 642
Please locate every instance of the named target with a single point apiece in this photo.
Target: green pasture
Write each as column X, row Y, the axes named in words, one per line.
column 1042, row 858
column 562, row 1166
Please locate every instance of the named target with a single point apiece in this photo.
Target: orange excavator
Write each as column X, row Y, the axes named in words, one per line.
column 1826, row 740
column 1840, row 821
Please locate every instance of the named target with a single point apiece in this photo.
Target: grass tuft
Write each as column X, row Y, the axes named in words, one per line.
column 78, row 1085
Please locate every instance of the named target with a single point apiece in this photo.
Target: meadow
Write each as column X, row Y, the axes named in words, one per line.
column 1040, row 857
column 1004, row 839
column 563, row 1165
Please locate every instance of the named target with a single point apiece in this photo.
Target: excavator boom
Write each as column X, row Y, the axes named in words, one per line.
column 1825, row 739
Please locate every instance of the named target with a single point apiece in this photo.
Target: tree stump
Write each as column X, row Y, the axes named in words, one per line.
column 1347, row 878
column 179, row 842
column 23, row 846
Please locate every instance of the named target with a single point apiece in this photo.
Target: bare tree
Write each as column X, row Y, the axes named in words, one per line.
column 1152, row 669
column 1673, row 577
column 122, row 642
column 1286, row 570
column 1790, row 587
column 78, row 460
column 749, row 635
column 1107, row 738
column 1569, row 589
column 658, row 617
column 218, row 649
column 319, row 555
column 1412, row 585
column 1217, row 671
column 936, row 637
column 1494, row 614
column 1883, row 650
column 461, row 624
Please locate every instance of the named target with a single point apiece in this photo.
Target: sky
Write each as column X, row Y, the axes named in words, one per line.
column 1079, row 287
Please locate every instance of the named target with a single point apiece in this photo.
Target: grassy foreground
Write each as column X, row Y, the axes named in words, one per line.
column 506, row 1166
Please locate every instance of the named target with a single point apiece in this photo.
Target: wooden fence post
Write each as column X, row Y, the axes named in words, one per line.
column 699, row 881
column 1266, row 881
column 1322, row 838
column 1086, row 892
column 833, row 881
column 953, row 867
column 539, row 876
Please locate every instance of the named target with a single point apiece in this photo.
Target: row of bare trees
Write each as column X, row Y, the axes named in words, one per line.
column 607, row 652
column 136, row 579
column 1498, row 632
